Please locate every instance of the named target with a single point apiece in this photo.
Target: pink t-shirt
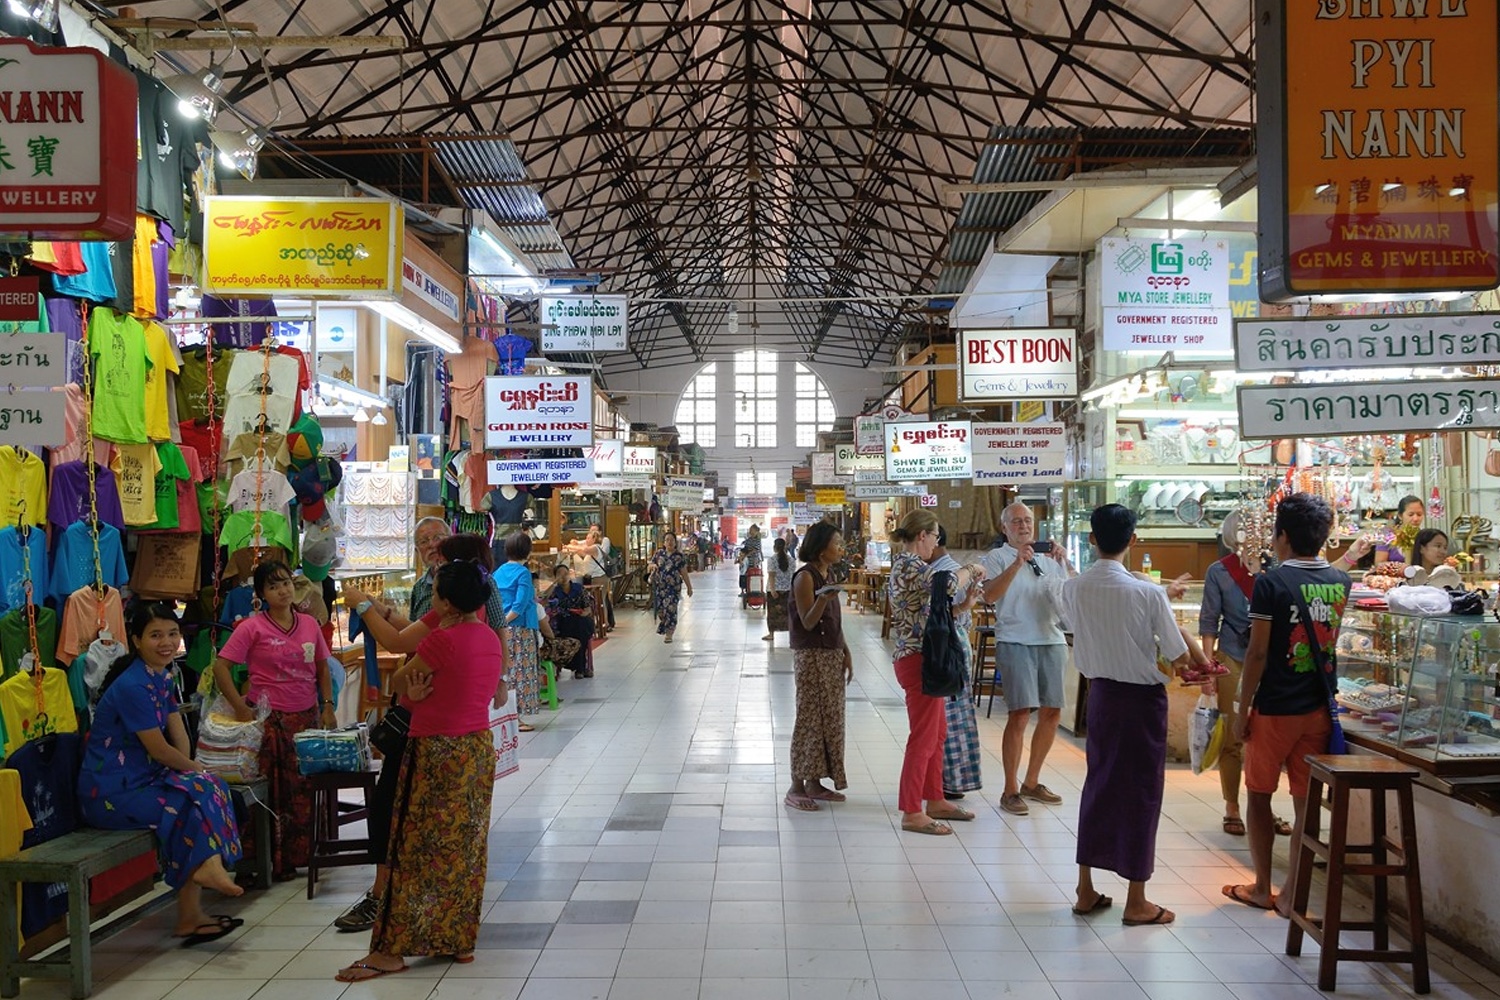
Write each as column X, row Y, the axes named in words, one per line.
column 466, row 663
column 283, row 665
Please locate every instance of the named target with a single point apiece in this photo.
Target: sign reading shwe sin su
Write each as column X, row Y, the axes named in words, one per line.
column 929, row 450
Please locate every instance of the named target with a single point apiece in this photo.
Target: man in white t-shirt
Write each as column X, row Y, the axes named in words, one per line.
column 1030, row 651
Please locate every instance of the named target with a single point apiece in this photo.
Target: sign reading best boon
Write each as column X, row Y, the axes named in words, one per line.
column 1379, row 139
column 929, row 450
column 1016, row 364
column 548, row 411
column 318, row 247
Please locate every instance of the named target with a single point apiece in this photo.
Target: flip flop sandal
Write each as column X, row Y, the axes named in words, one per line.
column 1101, row 902
column 226, row 926
column 827, row 795
column 956, row 816
column 1161, row 911
column 1243, row 898
column 932, row 828
column 803, row 803
column 1283, row 828
column 375, row 972
column 1234, row 826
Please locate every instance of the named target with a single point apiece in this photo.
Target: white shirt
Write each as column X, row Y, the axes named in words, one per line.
column 265, row 489
column 1027, row 614
column 1120, row 623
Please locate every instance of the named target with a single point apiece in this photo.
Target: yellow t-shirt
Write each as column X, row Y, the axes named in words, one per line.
column 163, row 360
column 135, row 467
column 18, row 707
column 23, row 479
column 14, row 820
column 143, row 267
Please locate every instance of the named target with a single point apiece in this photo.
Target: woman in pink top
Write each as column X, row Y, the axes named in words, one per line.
column 440, row 827
column 287, row 658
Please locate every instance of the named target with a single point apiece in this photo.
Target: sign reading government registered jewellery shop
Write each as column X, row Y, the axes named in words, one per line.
column 581, row 324
column 1399, row 341
column 1333, row 409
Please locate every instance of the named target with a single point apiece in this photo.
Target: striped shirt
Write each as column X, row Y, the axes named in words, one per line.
column 1120, row 625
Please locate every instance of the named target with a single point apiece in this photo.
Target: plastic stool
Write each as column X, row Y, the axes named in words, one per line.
column 548, row 692
column 1342, row 773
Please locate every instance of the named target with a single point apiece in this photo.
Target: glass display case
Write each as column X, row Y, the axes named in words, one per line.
column 1070, row 508
column 1422, row 689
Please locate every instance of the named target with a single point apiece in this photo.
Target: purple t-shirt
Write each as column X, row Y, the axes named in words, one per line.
column 238, row 334
column 161, row 253
column 68, row 500
column 63, row 317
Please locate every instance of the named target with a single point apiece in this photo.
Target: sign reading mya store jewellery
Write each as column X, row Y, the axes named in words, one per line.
column 1165, row 295
column 318, row 247
column 1379, row 145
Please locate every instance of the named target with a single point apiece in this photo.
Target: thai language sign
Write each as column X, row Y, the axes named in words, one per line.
column 539, row 471
column 1165, row 295
column 546, row 411
column 1016, row 364
column 929, row 450
column 67, row 143
column 35, row 418
column 1020, row 453
column 683, row 492
column 885, row 491
column 318, row 247
column 1396, row 341
column 1332, row 409
column 1379, row 144
column 33, row 360
column 579, row 324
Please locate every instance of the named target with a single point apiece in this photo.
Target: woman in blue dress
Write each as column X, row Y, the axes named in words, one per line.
column 137, row 774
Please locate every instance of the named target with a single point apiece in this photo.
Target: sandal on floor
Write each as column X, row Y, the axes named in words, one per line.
column 800, row 802
column 1101, row 902
column 525, row 727
column 1240, row 894
column 220, row 927
column 348, row 974
column 1161, row 911
column 1234, row 826
column 1283, row 828
column 827, row 795
column 932, row 828
column 956, row 816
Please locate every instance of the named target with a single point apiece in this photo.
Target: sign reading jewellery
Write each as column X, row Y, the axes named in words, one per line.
column 1399, row 341
column 1165, row 294
column 579, row 324
column 1020, row 453
column 548, row 411
column 539, row 471
column 1332, row 409
column 683, row 492
column 1014, row 364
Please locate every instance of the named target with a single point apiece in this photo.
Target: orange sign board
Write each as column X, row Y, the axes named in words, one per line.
column 1381, row 122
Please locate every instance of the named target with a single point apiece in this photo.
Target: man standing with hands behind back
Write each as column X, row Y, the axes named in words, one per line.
column 1030, row 650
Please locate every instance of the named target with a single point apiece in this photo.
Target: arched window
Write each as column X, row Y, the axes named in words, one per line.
column 815, row 410
column 755, row 399
column 697, row 419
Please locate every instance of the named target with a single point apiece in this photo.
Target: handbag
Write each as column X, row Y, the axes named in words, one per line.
column 1337, row 744
column 390, row 733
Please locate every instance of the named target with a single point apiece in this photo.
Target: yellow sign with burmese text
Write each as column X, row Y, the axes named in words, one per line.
column 317, row 247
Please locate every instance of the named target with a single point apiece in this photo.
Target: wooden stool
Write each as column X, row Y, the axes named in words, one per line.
column 984, row 650
column 1342, row 773
column 328, row 850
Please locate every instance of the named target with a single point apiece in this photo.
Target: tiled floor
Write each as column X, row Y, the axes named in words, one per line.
column 643, row 853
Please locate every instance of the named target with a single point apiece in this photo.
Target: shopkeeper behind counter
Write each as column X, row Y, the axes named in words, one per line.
column 1409, row 515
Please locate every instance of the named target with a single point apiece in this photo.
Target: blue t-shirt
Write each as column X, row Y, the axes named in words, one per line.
column 97, row 282
column 12, row 564
column 73, row 560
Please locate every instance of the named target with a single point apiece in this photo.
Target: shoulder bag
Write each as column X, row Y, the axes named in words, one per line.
column 1336, row 741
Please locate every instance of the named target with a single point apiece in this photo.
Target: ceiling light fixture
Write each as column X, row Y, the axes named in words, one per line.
column 404, row 317
column 239, row 150
column 379, row 419
column 361, row 415
column 43, row 12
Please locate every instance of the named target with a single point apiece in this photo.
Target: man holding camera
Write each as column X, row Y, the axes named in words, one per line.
column 1023, row 578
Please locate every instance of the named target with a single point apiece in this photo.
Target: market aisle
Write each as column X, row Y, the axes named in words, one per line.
column 643, row 853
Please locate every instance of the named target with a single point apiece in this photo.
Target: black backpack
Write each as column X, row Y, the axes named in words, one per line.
column 942, row 650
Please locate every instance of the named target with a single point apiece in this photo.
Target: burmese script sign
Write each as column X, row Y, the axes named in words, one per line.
column 1397, row 341
column 1379, row 145
column 318, row 247
column 580, row 324
column 929, row 450
column 1020, row 453
column 1333, row 409
column 548, row 411
column 67, row 143
column 1165, row 295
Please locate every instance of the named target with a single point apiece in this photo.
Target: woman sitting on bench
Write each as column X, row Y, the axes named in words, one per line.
column 137, row 774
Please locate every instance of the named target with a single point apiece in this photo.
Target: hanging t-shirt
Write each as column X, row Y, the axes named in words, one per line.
column 192, row 382
column 71, row 450
column 186, row 489
column 261, row 385
column 69, row 498
column 172, row 470
column 239, row 531
column 15, row 551
column 238, row 334
column 65, row 317
column 97, row 282
column 48, row 771
column 60, row 257
column 15, row 638
column 160, row 350
column 204, row 439
column 120, row 262
column 262, row 487
column 39, row 325
column 283, row 664
column 24, row 721
column 117, row 345
column 135, row 467
column 240, row 455
column 81, row 616
column 141, row 269
column 23, row 487
column 73, row 560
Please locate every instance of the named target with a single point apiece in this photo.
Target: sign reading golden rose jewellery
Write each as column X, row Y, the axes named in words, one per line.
column 1399, row 341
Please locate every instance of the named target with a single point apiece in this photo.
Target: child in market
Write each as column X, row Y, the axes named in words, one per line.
column 287, row 659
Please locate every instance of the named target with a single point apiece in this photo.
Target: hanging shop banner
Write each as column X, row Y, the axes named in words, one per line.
column 33, row 360
column 1379, row 146
column 539, row 471
column 683, row 492
column 869, row 428
column 866, row 492
column 1160, row 295
column 1020, row 453
column 929, row 450
column 639, row 460
column 20, row 299
column 1335, row 409
column 1396, row 341
column 430, row 289
column 849, row 463
column 1018, row 364
column 33, row 417
column 829, row 499
column 824, row 472
column 803, row 514
column 608, row 456
column 581, row 324
column 317, row 247
column 546, row 411
column 67, row 144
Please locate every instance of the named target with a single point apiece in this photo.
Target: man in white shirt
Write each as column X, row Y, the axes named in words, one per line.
column 1121, row 625
column 1030, row 651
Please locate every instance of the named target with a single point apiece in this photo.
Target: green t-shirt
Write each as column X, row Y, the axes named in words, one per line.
column 117, row 345
column 239, row 531
column 173, row 468
column 14, row 640
column 192, row 383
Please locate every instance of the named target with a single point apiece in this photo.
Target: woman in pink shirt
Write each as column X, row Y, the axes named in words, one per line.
column 440, row 827
column 287, row 658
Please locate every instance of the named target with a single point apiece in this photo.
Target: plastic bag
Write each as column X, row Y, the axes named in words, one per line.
column 505, row 725
column 1203, row 726
column 320, row 751
column 229, row 748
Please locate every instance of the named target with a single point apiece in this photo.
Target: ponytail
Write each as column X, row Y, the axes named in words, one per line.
column 140, row 619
